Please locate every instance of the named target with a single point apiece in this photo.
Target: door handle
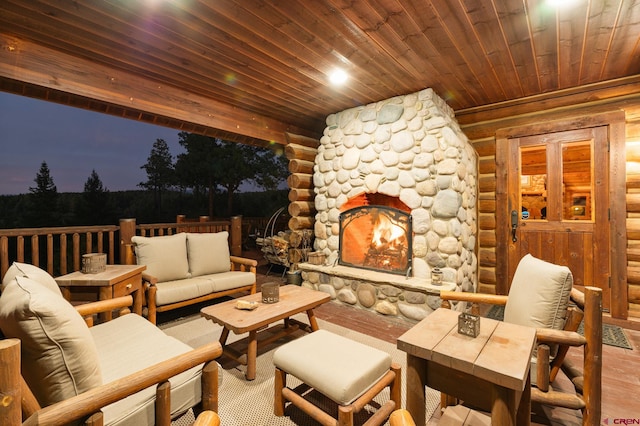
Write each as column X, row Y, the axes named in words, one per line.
column 514, row 225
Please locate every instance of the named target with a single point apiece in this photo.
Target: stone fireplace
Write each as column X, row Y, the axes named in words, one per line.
column 403, row 163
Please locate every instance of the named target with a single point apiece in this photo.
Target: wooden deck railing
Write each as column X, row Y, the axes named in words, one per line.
column 59, row 250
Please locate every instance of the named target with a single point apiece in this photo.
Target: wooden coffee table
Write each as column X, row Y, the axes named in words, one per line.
column 490, row 371
column 293, row 300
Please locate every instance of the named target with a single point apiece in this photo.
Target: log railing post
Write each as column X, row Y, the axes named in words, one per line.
column 127, row 231
column 236, row 235
column 10, row 393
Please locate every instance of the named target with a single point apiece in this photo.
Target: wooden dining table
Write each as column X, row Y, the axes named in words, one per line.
column 489, row 371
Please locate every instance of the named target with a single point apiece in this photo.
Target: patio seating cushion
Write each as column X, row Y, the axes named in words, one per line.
column 30, row 271
column 179, row 290
column 130, row 343
column 165, row 256
column 59, row 358
column 339, row 368
column 539, row 294
column 208, row 253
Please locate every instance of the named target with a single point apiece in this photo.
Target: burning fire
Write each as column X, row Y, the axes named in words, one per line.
column 386, row 234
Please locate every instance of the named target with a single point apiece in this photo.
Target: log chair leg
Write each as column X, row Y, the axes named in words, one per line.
column 345, row 415
column 279, row 382
column 396, row 385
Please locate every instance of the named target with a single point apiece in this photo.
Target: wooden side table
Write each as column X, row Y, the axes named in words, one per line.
column 490, row 371
column 115, row 281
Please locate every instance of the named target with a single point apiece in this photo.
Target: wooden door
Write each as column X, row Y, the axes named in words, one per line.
column 558, row 198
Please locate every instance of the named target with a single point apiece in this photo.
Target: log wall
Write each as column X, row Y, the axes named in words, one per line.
column 633, row 209
column 481, row 124
column 301, row 153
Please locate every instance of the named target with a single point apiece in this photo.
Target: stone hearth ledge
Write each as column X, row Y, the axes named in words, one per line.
column 388, row 294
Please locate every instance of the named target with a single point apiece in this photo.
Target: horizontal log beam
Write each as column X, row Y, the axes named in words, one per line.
column 301, row 166
column 31, row 63
column 300, row 222
column 301, row 194
column 302, row 140
column 300, row 152
column 300, row 180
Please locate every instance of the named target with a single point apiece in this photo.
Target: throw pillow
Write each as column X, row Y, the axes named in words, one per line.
column 59, row 357
column 539, row 294
column 208, row 253
column 26, row 270
column 165, row 257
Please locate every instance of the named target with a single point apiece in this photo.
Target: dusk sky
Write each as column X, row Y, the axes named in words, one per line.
column 73, row 142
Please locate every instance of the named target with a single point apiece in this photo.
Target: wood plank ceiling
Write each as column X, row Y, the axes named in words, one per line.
column 271, row 59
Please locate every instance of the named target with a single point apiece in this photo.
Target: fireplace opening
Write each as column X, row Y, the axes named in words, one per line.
column 377, row 238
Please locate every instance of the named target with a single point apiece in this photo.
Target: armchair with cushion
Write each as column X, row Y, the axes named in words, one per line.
column 541, row 296
column 61, row 369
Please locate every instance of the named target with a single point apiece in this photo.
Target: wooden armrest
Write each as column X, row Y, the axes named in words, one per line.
column 461, row 296
column 577, row 297
column 563, row 337
column 90, row 402
column 149, row 278
column 243, row 261
column 92, row 308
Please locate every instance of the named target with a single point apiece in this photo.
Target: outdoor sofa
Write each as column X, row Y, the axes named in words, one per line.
column 187, row 268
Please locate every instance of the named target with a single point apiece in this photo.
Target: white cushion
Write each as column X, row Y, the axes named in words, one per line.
column 59, row 358
column 208, row 253
column 26, row 270
column 126, row 352
column 339, row 368
column 165, row 256
column 539, row 294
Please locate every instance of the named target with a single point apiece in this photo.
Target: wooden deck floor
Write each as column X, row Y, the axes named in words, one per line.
column 621, row 367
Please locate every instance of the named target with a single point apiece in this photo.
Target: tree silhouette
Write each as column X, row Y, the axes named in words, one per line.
column 209, row 162
column 43, row 199
column 95, row 208
column 160, row 171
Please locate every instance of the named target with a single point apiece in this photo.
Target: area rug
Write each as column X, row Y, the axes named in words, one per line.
column 612, row 335
column 244, row 403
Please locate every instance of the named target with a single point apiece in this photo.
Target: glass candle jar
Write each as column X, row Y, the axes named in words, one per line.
column 270, row 292
column 436, row 276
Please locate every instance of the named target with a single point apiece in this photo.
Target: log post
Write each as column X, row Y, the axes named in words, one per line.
column 592, row 390
column 127, row 231
column 236, row 236
column 10, row 392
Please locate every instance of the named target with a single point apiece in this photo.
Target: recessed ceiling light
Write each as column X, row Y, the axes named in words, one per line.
column 338, row 76
column 561, row 4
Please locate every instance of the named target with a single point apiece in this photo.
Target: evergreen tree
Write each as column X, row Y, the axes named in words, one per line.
column 43, row 199
column 160, row 171
column 95, row 206
column 214, row 162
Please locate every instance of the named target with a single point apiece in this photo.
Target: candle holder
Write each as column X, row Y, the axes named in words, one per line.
column 270, row 292
column 469, row 324
column 436, row 276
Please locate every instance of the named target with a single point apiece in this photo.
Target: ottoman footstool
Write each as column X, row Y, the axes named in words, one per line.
column 347, row 372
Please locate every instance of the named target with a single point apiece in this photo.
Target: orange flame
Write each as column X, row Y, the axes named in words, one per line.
column 386, row 233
